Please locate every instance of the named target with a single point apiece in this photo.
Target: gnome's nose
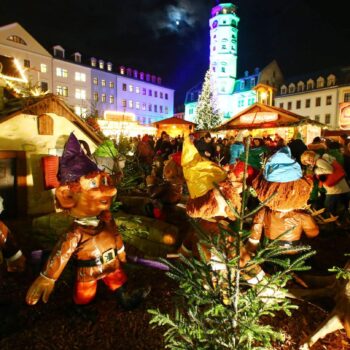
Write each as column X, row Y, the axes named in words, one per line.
column 108, row 190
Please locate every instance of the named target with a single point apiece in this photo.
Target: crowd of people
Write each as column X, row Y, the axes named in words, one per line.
column 327, row 160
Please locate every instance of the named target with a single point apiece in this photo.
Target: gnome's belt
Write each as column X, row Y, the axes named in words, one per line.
column 105, row 258
column 285, row 244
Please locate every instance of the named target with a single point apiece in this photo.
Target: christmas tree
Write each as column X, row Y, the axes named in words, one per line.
column 207, row 112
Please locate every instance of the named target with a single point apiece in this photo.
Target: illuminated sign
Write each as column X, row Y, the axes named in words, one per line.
column 119, row 116
column 258, row 118
column 344, row 115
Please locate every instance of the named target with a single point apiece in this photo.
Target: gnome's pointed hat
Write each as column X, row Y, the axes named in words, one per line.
column 74, row 163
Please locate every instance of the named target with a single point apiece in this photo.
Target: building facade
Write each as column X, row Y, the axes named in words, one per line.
column 223, row 26
column 88, row 87
column 244, row 94
column 323, row 96
column 233, row 94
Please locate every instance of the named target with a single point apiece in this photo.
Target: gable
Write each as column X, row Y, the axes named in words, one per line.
column 14, row 35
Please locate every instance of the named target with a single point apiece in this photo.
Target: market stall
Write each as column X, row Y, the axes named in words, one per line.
column 174, row 126
column 262, row 121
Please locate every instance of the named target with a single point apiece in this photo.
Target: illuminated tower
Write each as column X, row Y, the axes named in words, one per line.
column 223, row 54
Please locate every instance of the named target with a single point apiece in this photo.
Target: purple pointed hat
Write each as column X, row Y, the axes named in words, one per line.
column 74, row 163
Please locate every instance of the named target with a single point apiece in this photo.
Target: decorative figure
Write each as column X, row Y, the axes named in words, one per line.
column 93, row 239
column 14, row 257
column 282, row 217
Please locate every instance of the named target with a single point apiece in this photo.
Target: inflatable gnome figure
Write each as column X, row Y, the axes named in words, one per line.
column 209, row 206
column 282, row 217
column 15, row 259
column 93, row 240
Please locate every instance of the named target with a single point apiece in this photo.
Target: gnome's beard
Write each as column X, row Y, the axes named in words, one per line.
column 289, row 195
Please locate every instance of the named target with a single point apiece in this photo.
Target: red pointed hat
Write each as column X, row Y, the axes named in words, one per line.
column 74, row 163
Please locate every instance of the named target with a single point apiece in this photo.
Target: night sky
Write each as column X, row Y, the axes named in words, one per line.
column 170, row 38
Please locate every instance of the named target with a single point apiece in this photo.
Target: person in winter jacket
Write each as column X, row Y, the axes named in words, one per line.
column 332, row 177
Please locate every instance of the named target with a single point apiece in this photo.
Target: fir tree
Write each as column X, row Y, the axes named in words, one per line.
column 207, row 112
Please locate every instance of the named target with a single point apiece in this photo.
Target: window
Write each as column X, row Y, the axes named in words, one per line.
column 62, row 90
column 131, row 104
column 103, row 97
column 166, row 110
column 327, row 118
column 318, row 101
column 329, row 100
column 123, row 103
column 149, row 92
column 242, row 85
column 289, row 106
column 300, row 86
column 80, row 94
column 109, row 66
column 96, row 96
column 137, row 89
column 101, row 64
column 223, row 47
column 317, row 117
column 111, row 99
column 142, row 75
column 16, row 39
column 150, row 108
column 156, row 94
column 281, row 105
column 161, row 95
column 93, row 62
column 190, row 111
column 80, row 111
column 95, row 80
column 283, row 90
column 320, row 82
column 143, row 106
column 124, row 87
column 298, row 104
column 131, row 88
column 252, row 82
column 111, row 84
column 103, row 82
column 137, row 105
column 291, row 88
column 144, row 91
column 44, row 86
column 80, row 76
column 347, row 97
column 223, row 70
column 166, row 96
column 43, row 68
column 122, row 70
column 161, row 109
column 61, row 72
column 240, row 103
column 310, row 84
column 26, row 63
column 307, row 103
column 155, row 108
column 331, row 80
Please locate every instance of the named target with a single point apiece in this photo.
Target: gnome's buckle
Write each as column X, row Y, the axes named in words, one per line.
column 108, row 256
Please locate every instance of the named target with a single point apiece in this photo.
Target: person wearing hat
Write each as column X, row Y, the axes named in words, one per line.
column 14, row 257
column 93, row 240
column 282, row 218
column 332, row 177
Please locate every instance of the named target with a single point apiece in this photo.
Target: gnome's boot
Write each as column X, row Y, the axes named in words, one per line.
column 132, row 300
